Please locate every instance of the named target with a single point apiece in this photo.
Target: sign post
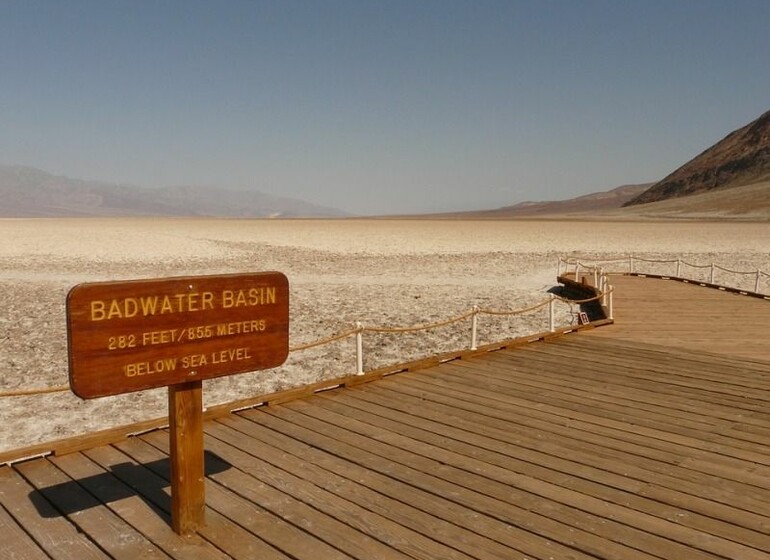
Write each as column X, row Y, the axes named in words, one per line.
column 176, row 332
column 188, row 502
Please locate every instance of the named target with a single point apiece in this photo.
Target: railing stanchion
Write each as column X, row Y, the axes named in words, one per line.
column 474, row 327
column 359, row 348
column 678, row 268
column 577, row 271
column 756, row 283
column 552, row 314
column 604, row 284
column 609, row 303
column 596, row 277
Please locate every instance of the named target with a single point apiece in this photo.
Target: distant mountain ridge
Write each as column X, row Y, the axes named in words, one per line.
column 589, row 203
column 594, row 202
column 30, row 192
column 740, row 158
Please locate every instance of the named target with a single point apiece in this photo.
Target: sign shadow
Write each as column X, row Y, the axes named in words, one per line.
column 148, row 481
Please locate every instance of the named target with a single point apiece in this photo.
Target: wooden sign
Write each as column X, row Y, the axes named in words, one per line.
column 141, row 334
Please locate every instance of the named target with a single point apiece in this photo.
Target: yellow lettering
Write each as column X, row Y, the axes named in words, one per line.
column 114, row 310
column 149, row 368
column 194, row 360
column 146, row 306
column 97, row 310
column 149, row 305
column 130, row 307
column 240, row 300
column 159, row 337
column 227, row 299
column 230, row 355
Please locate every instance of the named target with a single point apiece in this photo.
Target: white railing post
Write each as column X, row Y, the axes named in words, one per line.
column 558, row 268
column 756, row 283
column 577, row 271
column 474, row 327
column 552, row 313
column 711, row 280
column 603, row 288
column 596, row 277
column 609, row 303
column 359, row 348
column 678, row 268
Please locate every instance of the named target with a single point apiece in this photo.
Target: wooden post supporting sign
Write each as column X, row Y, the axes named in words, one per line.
column 176, row 332
column 188, row 503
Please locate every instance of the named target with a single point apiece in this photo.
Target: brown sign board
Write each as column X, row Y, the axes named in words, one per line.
column 142, row 334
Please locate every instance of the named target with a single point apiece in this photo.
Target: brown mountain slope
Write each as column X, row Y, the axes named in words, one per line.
column 740, row 158
column 589, row 203
column 748, row 202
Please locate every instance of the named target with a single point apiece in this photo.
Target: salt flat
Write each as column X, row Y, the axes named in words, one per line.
column 379, row 272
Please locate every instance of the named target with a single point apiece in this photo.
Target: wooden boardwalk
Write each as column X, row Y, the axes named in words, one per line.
column 596, row 444
column 684, row 315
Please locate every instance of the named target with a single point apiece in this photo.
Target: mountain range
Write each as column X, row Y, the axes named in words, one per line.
column 30, row 192
column 729, row 179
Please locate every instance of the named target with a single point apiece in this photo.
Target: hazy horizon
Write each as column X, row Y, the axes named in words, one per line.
column 378, row 107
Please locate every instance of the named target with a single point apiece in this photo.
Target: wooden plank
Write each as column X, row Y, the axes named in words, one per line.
column 52, row 532
column 17, row 544
column 539, row 458
column 489, row 447
column 111, row 533
column 644, row 376
column 504, row 500
column 343, row 521
column 695, row 317
column 509, row 376
column 432, row 515
column 385, row 424
column 141, row 514
column 496, row 408
column 736, row 431
column 364, row 515
column 141, row 469
column 585, row 424
column 287, row 498
column 713, row 367
column 674, row 374
column 572, row 388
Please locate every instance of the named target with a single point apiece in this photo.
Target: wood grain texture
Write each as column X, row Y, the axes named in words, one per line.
column 140, row 334
column 188, row 496
column 680, row 315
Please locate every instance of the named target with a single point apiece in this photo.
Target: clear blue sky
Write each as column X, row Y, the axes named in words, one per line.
column 376, row 107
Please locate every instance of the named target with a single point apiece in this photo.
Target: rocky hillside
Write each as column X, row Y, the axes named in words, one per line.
column 741, row 158
column 749, row 202
column 30, row 192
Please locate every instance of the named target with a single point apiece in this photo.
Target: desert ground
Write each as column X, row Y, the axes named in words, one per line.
column 378, row 272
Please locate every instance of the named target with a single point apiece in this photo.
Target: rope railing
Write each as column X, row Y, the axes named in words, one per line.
column 589, row 264
column 360, row 329
column 39, row 391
